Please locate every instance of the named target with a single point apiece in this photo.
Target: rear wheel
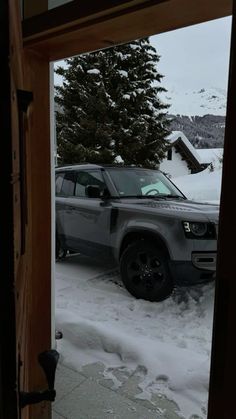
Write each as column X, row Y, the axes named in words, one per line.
column 60, row 251
column 145, row 272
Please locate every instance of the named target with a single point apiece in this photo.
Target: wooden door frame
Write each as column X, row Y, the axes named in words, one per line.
column 83, row 26
column 8, row 399
column 223, row 362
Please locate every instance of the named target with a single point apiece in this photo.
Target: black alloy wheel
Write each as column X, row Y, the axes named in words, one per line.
column 145, row 271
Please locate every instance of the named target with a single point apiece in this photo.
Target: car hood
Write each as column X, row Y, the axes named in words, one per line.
column 175, row 206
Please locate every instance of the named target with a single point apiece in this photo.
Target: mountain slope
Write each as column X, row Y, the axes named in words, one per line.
column 202, row 131
column 196, row 102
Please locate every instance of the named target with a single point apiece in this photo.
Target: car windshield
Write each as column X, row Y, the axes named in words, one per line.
column 143, row 183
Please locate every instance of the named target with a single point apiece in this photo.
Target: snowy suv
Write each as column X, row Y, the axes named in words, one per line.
column 141, row 219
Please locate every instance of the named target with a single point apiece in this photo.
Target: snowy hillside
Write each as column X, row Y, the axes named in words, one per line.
column 196, row 102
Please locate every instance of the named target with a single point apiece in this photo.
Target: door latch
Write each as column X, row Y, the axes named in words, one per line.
column 48, row 361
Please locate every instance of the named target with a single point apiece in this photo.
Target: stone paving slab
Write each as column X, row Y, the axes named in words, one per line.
column 129, row 387
column 66, row 380
column 90, row 400
column 89, row 395
column 57, row 416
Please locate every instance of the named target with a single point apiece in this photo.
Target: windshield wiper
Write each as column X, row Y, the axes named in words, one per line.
column 164, row 196
column 157, row 196
column 174, row 196
column 143, row 196
column 134, row 196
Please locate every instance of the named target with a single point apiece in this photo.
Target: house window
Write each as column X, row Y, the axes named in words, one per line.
column 169, row 154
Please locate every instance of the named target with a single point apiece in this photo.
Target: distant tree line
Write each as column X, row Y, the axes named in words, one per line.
column 202, row 131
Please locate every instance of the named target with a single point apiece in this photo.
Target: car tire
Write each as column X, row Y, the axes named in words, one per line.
column 145, row 271
column 60, row 251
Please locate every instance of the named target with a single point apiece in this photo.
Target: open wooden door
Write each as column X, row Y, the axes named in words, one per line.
column 25, row 223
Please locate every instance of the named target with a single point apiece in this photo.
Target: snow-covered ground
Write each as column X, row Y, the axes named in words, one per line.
column 168, row 342
column 204, row 186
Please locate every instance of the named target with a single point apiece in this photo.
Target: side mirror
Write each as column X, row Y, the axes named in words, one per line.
column 93, row 191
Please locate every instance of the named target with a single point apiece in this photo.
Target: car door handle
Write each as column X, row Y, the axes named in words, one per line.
column 69, row 209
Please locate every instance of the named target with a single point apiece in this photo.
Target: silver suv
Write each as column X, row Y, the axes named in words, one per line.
column 142, row 220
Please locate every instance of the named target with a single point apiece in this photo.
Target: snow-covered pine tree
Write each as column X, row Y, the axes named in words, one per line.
column 109, row 106
column 83, row 122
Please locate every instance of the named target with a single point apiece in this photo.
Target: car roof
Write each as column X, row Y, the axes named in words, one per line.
column 96, row 166
column 79, row 166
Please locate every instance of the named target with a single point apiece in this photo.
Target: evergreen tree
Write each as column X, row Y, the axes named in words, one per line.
column 109, row 107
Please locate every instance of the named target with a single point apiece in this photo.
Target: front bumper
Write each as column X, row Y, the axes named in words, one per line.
column 198, row 271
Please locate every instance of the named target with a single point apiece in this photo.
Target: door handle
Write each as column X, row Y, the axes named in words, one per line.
column 48, row 361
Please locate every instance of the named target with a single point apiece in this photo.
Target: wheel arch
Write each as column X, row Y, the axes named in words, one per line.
column 133, row 236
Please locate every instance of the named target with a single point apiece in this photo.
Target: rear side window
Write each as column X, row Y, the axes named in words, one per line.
column 59, row 181
column 68, row 184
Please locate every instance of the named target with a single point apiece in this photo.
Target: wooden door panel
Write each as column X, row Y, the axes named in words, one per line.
column 20, row 262
column 31, row 221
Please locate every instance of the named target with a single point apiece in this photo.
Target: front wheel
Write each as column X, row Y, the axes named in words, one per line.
column 145, row 272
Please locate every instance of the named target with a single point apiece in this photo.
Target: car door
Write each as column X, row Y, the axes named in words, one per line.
column 65, row 186
column 87, row 220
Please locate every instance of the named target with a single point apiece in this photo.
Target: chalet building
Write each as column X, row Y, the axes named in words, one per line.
column 183, row 158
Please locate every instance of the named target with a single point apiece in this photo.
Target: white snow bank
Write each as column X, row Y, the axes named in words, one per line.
column 184, row 372
column 211, row 155
column 169, row 343
column 204, row 186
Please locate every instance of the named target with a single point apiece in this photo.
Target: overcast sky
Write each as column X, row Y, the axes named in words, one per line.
column 192, row 59
column 196, row 56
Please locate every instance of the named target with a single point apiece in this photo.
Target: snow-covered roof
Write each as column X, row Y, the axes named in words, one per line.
column 208, row 155
column 176, row 135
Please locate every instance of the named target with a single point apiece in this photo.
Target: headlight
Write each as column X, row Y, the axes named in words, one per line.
column 199, row 230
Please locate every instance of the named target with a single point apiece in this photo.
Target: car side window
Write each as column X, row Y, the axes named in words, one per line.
column 88, row 178
column 68, row 184
column 59, row 181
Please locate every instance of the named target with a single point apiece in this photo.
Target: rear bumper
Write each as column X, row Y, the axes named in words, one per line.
column 186, row 273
